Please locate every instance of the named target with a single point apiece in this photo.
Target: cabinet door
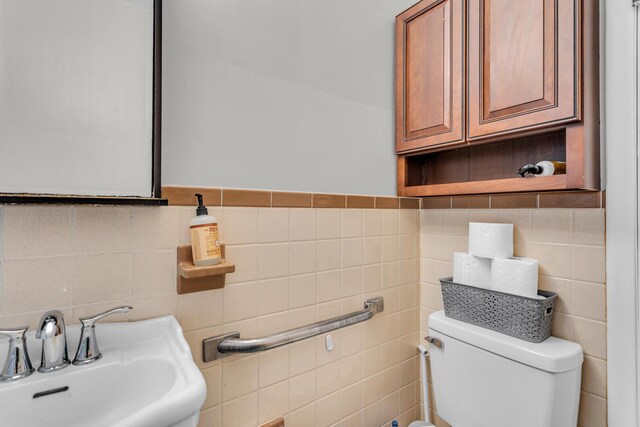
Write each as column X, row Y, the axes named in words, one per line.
column 523, row 71
column 429, row 75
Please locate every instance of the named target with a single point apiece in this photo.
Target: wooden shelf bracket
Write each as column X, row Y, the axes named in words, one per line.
column 195, row 278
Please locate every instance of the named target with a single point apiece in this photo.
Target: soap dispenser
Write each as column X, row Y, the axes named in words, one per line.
column 205, row 239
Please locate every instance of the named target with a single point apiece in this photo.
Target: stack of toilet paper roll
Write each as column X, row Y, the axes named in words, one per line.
column 490, row 263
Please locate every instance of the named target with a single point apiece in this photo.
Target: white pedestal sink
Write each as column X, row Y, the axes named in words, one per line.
column 146, row 378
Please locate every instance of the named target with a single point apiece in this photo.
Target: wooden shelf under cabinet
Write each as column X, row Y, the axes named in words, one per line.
column 196, row 278
column 491, row 167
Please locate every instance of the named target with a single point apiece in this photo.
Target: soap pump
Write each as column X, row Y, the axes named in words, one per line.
column 205, row 239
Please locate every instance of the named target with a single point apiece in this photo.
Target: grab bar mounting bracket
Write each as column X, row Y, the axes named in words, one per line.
column 210, row 346
column 376, row 303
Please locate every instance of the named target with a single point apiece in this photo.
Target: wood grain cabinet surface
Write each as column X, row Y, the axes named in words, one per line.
column 430, row 75
column 522, row 65
column 485, row 86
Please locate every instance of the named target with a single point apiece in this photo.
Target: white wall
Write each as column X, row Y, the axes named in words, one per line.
column 280, row 94
column 76, row 96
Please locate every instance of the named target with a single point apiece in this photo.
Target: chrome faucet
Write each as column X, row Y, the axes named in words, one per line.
column 51, row 331
column 88, row 351
column 18, row 364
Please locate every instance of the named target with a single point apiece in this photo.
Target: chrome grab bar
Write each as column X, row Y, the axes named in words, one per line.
column 215, row 348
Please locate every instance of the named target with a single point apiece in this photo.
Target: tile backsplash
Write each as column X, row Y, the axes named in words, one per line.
column 293, row 266
column 296, row 266
column 569, row 243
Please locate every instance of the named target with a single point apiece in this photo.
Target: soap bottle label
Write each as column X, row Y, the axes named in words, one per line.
column 206, row 242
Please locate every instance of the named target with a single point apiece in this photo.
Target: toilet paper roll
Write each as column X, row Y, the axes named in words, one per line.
column 515, row 276
column 471, row 270
column 490, row 240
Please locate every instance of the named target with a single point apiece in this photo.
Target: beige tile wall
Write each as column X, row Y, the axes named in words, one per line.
column 570, row 247
column 294, row 266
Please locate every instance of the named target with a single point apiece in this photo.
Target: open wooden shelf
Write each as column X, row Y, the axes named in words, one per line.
column 196, row 278
column 491, row 167
column 546, row 183
column 484, row 162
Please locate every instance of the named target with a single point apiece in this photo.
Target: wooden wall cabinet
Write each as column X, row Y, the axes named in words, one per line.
column 486, row 86
column 430, row 79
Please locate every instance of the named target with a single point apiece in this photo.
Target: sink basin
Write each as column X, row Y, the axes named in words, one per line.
column 146, row 377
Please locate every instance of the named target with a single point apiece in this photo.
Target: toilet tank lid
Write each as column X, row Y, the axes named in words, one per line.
column 552, row 355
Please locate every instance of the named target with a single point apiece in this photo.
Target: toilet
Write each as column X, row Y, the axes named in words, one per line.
column 483, row 378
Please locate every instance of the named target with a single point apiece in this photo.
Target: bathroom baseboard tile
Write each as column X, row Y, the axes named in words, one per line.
column 361, row 202
column 290, row 200
column 409, row 203
column 329, row 201
column 184, row 196
column 387, row 203
column 251, row 198
column 436, row 203
column 556, row 199
column 573, row 199
column 514, row 201
column 471, row 202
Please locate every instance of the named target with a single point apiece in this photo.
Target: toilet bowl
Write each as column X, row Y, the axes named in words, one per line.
column 482, row 378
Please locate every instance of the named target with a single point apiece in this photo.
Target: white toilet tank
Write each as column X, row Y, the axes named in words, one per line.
column 483, row 378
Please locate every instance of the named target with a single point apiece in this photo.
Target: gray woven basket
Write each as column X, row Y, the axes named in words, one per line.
column 526, row 318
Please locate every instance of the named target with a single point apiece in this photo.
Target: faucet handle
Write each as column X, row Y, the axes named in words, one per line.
column 90, row 321
column 18, row 365
column 88, row 351
column 14, row 333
